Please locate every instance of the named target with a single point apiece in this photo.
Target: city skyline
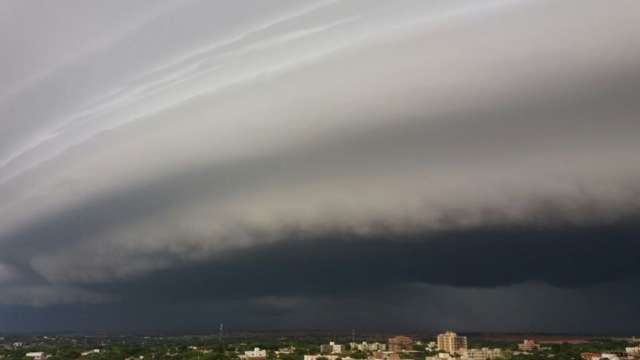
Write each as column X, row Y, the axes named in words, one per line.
column 320, row 164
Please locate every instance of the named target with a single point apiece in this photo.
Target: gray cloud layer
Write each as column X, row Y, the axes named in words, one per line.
column 214, row 135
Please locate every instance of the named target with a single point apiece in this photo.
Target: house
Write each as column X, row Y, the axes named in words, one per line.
column 36, row 355
column 255, row 354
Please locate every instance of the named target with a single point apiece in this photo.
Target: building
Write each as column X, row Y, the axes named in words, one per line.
column 598, row 356
column 633, row 351
column 364, row 346
column 528, row 345
column 386, row 355
column 87, row 353
column 400, row 343
column 315, row 357
column 256, row 354
column 609, row 356
column 590, row 355
column 440, row 356
column 331, row 348
column 451, row 342
column 285, row 351
column 481, row 354
column 36, row 355
column 328, row 357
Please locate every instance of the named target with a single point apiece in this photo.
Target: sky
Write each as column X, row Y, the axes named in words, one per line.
column 320, row 164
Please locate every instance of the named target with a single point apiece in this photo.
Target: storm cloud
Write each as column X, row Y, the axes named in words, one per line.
column 281, row 156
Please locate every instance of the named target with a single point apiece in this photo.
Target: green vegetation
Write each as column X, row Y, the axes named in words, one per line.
column 208, row 348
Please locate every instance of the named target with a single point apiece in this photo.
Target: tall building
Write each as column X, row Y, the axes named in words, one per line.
column 399, row 343
column 451, row 342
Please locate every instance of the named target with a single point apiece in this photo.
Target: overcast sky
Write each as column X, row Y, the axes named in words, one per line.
column 407, row 164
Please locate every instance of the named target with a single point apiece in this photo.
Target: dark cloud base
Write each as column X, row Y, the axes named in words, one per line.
column 543, row 274
column 341, row 263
